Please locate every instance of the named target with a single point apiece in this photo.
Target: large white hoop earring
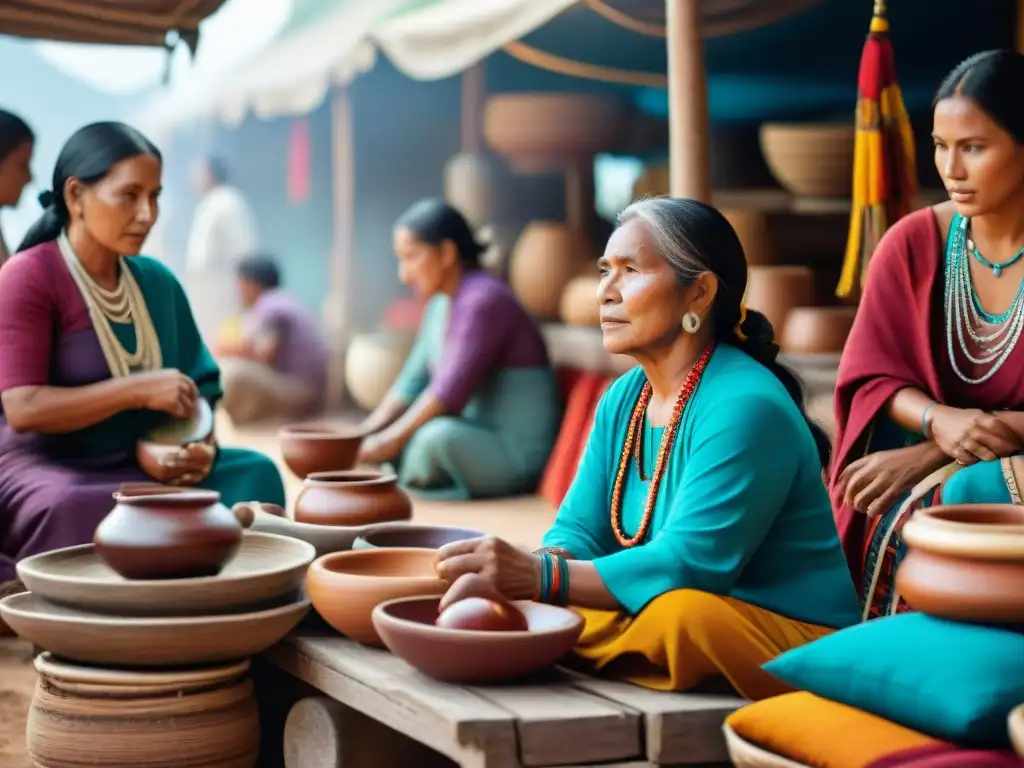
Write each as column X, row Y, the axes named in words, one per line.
column 691, row 322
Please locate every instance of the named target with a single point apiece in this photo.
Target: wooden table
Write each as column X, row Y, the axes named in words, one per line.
column 564, row 719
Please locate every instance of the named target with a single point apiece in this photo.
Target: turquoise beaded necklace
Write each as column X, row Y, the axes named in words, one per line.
column 997, row 268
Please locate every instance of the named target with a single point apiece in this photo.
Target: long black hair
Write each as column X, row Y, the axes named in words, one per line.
column 14, row 133
column 693, row 238
column 88, row 156
column 433, row 221
column 992, row 80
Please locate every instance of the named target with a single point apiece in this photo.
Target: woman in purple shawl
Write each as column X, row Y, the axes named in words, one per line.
column 98, row 347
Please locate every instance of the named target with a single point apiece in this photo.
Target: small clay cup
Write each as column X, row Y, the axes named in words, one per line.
column 407, row 628
column 167, row 533
column 351, row 498
column 309, row 448
column 413, row 535
column 345, row 587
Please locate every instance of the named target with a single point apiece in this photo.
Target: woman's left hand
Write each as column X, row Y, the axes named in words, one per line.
column 515, row 573
column 378, row 448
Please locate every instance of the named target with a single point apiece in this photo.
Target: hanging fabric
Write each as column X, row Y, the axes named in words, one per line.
column 298, row 162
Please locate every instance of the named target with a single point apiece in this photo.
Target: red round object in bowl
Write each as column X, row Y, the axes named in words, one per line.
column 407, row 627
column 481, row 614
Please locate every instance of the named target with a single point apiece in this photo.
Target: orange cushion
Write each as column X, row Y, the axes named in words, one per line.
column 821, row 733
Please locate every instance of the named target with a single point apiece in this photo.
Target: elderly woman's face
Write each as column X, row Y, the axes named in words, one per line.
column 15, row 173
column 120, row 209
column 641, row 301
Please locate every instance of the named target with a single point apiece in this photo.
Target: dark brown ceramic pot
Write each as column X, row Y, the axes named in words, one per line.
column 309, row 448
column 351, row 498
column 965, row 563
column 167, row 533
column 412, row 535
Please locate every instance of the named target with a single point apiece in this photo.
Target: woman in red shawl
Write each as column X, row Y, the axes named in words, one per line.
column 930, row 398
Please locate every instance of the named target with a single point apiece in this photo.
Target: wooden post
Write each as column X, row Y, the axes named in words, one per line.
column 689, row 166
column 474, row 92
column 1019, row 36
column 337, row 307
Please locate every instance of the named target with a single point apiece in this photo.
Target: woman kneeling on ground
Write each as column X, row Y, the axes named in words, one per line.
column 697, row 538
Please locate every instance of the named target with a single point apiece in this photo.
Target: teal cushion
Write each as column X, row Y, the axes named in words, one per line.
column 953, row 681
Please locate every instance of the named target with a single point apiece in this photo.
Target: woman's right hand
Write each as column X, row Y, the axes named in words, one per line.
column 167, row 390
column 969, row 435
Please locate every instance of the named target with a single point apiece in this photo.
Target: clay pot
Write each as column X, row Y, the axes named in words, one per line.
column 813, row 160
column 308, row 448
column 121, row 719
column 579, row 305
column 345, row 587
column 545, row 258
column 418, row 536
column 965, row 563
column 752, row 229
column 351, row 498
column 469, row 185
column 540, row 132
column 476, row 656
column 372, row 363
column 817, row 330
column 167, row 534
column 775, row 291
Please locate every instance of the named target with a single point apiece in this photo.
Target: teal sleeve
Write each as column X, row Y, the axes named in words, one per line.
column 737, row 475
column 583, row 514
column 414, row 377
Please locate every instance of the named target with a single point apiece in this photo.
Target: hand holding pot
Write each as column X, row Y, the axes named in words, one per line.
column 515, row 573
column 186, row 466
column 378, row 448
column 167, row 390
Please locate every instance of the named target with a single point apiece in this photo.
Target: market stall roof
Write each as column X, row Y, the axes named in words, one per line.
column 124, row 22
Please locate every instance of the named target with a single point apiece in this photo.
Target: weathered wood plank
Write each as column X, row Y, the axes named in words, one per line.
column 560, row 723
column 459, row 723
column 679, row 728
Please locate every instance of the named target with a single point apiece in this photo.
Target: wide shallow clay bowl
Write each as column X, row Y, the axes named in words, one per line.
column 308, row 448
column 142, row 719
column 270, row 518
column 1016, row 724
column 177, row 641
column 817, row 330
column 345, row 587
column 355, row 497
column 413, row 535
column 472, row 656
column 268, row 570
column 965, row 563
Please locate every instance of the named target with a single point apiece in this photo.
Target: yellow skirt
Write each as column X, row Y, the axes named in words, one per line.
column 686, row 637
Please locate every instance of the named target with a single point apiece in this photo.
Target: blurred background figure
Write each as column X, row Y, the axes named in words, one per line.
column 277, row 368
column 223, row 232
column 16, row 144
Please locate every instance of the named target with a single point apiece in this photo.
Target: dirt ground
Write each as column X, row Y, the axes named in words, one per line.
column 17, row 677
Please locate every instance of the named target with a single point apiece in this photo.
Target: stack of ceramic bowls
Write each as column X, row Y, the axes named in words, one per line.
column 154, row 623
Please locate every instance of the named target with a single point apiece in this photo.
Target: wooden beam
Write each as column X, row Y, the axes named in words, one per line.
column 689, row 166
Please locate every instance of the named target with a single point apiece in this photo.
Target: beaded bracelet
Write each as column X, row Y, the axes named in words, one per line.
column 554, row 579
column 924, row 418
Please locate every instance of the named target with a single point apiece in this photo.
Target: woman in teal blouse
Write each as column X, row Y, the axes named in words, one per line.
column 697, row 539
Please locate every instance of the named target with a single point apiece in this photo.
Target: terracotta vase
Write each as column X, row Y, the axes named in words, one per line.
column 810, row 159
column 965, row 563
column 351, row 498
column 167, row 533
column 545, row 258
column 372, row 363
column 579, row 305
column 345, row 587
column 817, row 330
column 775, row 291
column 751, row 227
column 88, row 715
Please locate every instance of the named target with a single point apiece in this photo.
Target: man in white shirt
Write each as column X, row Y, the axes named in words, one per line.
column 223, row 232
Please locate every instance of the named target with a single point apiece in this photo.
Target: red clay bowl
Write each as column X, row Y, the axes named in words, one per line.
column 308, row 448
column 414, row 535
column 406, row 625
